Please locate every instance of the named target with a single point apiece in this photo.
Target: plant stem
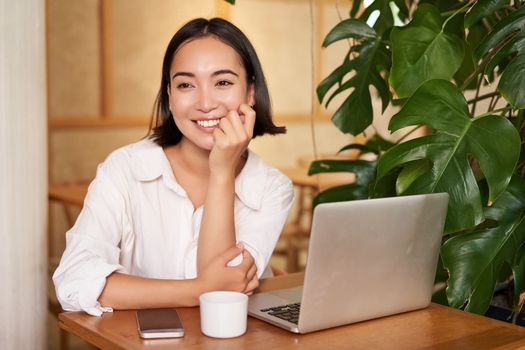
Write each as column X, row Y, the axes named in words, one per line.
column 494, row 103
column 461, row 9
column 487, row 57
column 473, row 110
column 518, row 307
column 482, row 97
column 408, row 134
column 491, row 103
column 521, row 122
column 312, row 77
column 504, row 109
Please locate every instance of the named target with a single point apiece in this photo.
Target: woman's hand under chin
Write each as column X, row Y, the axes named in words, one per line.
column 231, row 139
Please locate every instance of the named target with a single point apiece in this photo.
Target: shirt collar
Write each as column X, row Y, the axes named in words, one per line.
column 149, row 162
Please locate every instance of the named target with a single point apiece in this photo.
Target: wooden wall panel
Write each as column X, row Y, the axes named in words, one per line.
column 79, row 151
column 73, row 58
column 280, row 32
column 140, row 33
column 334, row 54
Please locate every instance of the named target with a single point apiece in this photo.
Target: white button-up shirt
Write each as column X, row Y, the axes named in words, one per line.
column 138, row 220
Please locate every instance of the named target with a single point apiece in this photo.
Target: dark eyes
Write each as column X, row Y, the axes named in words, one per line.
column 220, row 83
column 224, row 83
column 184, row 86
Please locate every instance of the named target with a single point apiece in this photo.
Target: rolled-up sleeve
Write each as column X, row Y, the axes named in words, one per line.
column 260, row 229
column 92, row 250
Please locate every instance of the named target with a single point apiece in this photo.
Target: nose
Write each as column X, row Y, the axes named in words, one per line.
column 206, row 100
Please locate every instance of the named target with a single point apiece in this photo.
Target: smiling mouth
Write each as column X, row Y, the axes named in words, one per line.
column 208, row 123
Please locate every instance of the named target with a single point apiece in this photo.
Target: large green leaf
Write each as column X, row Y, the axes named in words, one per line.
column 375, row 144
column 511, row 25
column 403, row 9
column 475, row 259
column 444, row 5
column 513, row 47
column 349, row 28
column 385, row 20
column 422, row 51
column 491, row 140
column 334, row 78
column 356, row 113
column 468, row 66
column 505, row 46
column 481, row 9
column 356, row 6
column 378, row 143
column 512, row 82
column 363, row 149
column 359, row 189
column 410, row 173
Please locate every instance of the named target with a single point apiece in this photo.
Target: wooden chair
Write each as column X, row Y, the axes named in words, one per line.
column 296, row 232
column 69, row 196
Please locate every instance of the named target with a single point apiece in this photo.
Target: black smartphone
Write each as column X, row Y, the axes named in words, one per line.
column 159, row 323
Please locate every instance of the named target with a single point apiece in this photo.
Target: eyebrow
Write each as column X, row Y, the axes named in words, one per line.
column 191, row 75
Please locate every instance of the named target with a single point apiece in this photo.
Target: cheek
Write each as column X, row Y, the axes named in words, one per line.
column 234, row 99
column 178, row 105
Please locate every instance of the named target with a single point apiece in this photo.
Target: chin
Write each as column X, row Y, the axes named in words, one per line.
column 206, row 145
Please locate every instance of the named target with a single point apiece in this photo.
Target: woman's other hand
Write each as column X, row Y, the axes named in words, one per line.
column 219, row 276
column 231, row 139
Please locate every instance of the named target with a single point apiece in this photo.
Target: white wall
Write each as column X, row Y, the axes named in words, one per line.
column 23, row 175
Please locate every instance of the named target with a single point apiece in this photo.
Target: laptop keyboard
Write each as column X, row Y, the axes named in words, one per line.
column 289, row 312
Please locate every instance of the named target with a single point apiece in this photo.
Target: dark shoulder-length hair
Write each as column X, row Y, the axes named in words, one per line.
column 162, row 127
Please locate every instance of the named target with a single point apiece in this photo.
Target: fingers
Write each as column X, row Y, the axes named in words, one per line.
column 251, row 272
column 252, row 285
column 247, row 261
column 241, row 123
column 231, row 131
column 249, row 118
column 232, row 252
column 227, row 125
column 237, row 124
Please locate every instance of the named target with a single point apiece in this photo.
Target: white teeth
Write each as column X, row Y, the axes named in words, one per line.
column 208, row 123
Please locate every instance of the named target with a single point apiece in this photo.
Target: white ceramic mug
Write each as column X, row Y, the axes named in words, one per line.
column 223, row 314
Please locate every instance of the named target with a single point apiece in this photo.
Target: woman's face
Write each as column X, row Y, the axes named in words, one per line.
column 207, row 80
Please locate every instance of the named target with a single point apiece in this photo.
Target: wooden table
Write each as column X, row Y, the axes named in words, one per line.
column 70, row 194
column 436, row 327
column 300, row 177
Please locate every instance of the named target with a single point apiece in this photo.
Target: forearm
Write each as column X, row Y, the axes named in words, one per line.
column 133, row 292
column 217, row 232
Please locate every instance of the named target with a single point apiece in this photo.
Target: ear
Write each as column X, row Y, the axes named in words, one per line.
column 169, row 97
column 251, row 94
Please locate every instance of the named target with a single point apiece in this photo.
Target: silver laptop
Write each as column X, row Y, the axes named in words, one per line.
column 366, row 259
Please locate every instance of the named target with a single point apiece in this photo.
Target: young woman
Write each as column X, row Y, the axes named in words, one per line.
column 189, row 209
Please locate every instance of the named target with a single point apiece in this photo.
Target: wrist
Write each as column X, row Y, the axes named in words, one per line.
column 185, row 292
column 222, row 177
column 199, row 287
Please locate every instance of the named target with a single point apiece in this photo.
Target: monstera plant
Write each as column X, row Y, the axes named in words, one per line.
column 439, row 52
